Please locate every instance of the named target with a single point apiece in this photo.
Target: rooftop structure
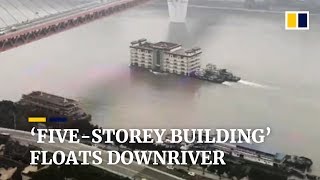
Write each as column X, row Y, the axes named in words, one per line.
column 251, row 153
column 56, row 104
column 165, row 57
column 167, row 46
column 50, row 98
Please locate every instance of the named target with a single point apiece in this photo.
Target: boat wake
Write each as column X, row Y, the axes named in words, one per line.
column 158, row 73
column 227, row 83
column 256, row 85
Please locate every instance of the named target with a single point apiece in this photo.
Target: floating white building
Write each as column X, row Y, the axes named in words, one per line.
column 165, row 57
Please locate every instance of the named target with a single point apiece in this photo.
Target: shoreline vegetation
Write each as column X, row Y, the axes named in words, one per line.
column 14, row 116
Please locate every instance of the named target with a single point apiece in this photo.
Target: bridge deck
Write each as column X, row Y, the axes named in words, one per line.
column 19, row 11
column 41, row 27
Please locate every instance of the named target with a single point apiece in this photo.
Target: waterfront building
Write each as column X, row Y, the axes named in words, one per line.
column 165, row 57
column 55, row 104
column 249, row 153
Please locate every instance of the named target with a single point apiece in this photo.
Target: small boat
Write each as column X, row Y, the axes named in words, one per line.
column 213, row 74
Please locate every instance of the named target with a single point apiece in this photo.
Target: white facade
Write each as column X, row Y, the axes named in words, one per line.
column 141, row 57
column 165, row 57
column 181, row 64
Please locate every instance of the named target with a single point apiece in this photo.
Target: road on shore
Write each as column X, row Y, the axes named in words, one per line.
column 132, row 171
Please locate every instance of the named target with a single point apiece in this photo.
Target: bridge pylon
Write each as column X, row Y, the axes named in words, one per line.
column 178, row 10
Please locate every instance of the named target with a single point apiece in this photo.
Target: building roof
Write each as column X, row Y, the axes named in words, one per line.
column 181, row 52
column 257, row 148
column 193, row 50
column 165, row 45
column 145, row 45
column 280, row 156
column 46, row 97
column 185, row 52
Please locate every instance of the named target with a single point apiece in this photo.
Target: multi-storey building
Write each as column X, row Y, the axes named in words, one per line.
column 165, row 57
column 55, row 104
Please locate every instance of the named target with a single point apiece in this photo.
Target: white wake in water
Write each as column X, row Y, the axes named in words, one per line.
column 253, row 84
column 158, row 73
column 227, row 83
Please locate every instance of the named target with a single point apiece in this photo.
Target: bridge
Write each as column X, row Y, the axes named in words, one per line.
column 24, row 21
column 132, row 171
column 24, row 25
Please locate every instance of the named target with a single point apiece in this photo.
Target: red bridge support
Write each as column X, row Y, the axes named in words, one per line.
column 32, row 33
